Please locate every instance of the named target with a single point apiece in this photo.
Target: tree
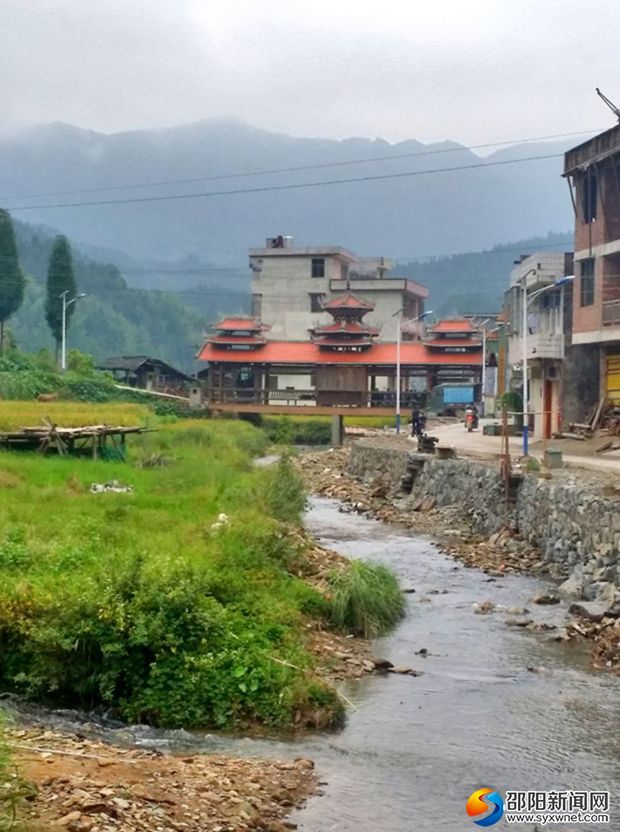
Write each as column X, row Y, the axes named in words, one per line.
column 12, row 281
column 60, row 279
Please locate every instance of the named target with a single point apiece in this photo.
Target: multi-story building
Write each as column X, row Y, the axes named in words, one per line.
column 593, row 173
column 548, row 329
column 290, row 286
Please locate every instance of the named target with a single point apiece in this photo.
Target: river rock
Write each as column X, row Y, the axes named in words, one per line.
column 519, row 622
column 381, row 664
column 546, row 598
column 590, row 610
column 573, row 585
column 484, row 607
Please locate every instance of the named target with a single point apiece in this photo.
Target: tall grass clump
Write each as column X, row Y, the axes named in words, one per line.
column 366, row 599
column 286, row 495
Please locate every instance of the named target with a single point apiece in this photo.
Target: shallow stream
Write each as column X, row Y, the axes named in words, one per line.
column 416, row 748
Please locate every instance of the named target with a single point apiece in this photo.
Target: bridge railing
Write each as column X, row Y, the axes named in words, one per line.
column 310, row 397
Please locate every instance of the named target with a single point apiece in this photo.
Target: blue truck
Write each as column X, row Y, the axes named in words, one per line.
column 449, row 399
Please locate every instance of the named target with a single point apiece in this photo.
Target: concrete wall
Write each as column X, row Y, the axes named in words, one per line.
column 575, row 529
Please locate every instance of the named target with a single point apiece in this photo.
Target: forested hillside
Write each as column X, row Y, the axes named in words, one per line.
column 476, row 282
column 115, row 318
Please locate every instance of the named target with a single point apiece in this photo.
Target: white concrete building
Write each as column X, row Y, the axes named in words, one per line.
column 548, row 319
column 290, row 283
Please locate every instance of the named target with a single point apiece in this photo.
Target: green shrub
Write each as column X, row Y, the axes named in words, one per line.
column 366, row 599
column 282, row 430
column 286, row 495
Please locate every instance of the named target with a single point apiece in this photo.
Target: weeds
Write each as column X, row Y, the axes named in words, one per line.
column 130, row 601
column 366, row 599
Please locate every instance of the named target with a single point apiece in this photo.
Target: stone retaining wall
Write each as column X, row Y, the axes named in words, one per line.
column 574, row 528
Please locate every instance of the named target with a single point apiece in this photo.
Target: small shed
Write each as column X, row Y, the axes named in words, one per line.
column 146, row 373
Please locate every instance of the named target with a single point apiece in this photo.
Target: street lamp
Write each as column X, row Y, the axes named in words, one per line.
column 65, row 304
column 484, row 362
column 525, row 302
column 398, row 340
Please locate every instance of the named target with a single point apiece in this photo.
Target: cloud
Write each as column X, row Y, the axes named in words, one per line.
column 476, row 71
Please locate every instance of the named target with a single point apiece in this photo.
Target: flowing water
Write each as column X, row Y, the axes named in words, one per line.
column 416, row 748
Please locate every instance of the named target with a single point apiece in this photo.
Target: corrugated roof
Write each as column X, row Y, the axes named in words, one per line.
column 124, row 362
column 306, row 352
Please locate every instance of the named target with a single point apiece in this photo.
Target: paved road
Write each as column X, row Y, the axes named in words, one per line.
column 454, row 434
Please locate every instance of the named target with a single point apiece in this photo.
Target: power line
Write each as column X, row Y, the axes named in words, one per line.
column 286, row 187
column 243, row 274
column 297, row 168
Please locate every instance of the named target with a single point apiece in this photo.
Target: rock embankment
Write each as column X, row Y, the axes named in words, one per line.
column 87, row 786
column 465, row 512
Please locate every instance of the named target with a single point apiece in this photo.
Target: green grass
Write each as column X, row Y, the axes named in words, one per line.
column 134, row 602
column 314, row 430
column 366, row 600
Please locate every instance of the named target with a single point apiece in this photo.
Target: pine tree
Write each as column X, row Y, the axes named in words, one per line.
column 60, row 279
column 12, row 281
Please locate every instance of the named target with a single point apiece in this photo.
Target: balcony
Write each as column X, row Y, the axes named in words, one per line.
column 542, row 345
column 539, row 345
column 611, row 313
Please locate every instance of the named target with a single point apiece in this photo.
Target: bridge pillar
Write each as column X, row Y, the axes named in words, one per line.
column 337, row 430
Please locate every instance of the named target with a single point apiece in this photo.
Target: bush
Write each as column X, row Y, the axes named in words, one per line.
column 286, row 495
column 282, row 430
column 513, row 402
column 366, row 599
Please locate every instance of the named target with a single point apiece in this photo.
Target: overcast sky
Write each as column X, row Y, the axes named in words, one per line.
column 468, row 70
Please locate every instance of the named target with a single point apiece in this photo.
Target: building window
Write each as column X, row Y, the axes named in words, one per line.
column 587, row 282
column 344, row 271
column 318, row 267
column 589, row 193
column 316, row 301
column 257, row 306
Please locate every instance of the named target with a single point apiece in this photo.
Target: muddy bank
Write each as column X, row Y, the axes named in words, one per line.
column 327, row 473
column 88, row 786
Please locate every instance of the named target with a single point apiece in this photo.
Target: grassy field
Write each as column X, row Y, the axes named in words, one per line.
column 135, row 601
column 16, row 414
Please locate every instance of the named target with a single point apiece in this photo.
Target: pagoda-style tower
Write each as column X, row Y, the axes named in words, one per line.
column 348, row 332
column 241, row 333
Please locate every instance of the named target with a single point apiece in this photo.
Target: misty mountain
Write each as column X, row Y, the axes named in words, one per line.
column 409, row 216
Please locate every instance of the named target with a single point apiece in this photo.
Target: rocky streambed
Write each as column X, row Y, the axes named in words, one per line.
column 502, row 552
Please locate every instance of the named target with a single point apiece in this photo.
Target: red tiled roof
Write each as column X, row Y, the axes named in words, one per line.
column 347, row 343
column 453, row 342
column 348, row 301
column 346, row 327
column 240, row 325
column 235, row 339
column 457, row 325
column 306, row 352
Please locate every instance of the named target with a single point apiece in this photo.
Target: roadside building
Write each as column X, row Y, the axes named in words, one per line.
column 548, row 321
column 146, row 373
column 593, row 173
column 292, row 284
